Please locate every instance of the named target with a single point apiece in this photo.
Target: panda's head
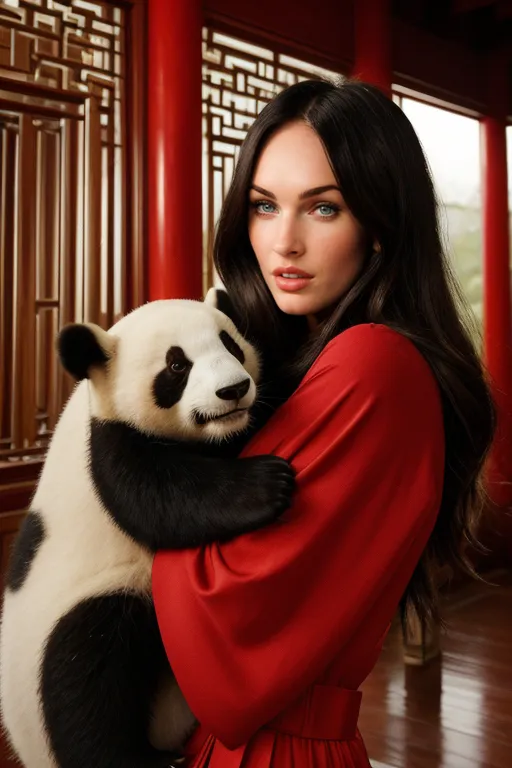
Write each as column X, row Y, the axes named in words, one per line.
column 175, row 369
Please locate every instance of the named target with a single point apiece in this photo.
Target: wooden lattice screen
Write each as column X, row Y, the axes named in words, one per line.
column 62, row 204
column 238, row 80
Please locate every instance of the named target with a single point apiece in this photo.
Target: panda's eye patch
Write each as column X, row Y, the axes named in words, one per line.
column 177, row 361
column 170, row 383
column 232, row 346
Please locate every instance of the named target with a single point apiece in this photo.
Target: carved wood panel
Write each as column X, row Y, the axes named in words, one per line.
column 63, row 197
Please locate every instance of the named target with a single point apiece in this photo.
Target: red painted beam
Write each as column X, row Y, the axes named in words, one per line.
column 497, row 314
column 373, row 33
column 174, row 149
column 497, row 301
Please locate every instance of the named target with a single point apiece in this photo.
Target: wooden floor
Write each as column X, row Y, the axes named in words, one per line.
column 457, row 711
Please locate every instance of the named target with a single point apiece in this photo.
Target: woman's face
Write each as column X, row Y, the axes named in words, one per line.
column 309, row 246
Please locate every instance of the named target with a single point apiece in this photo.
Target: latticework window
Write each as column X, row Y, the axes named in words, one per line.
column 62, row 188
column 238, row 80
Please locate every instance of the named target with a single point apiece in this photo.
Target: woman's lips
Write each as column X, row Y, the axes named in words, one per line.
column 291, row 278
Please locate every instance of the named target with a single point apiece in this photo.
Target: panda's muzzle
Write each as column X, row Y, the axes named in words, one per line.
column 203, row 418
column 234, row 392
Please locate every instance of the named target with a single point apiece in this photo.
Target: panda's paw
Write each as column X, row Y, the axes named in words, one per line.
column 269, row 490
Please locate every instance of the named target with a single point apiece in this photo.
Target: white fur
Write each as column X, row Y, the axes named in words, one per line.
column 124, row 390
column 84, row 553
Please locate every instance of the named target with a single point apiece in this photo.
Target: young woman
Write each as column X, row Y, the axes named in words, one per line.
column 328, row 245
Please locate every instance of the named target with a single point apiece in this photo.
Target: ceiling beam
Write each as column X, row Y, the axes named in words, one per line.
column 449, row 70
column 465, row 6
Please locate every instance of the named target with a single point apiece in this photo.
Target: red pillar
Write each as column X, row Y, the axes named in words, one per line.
column 496, row 251
column 373, row 36
column 174, row 149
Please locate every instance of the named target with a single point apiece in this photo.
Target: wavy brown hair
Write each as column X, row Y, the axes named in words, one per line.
column 409, row 286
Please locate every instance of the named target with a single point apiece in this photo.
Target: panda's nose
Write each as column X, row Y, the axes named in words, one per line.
column 234, row 391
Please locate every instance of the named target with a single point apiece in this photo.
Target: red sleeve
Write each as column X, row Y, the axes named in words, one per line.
column 250, row 624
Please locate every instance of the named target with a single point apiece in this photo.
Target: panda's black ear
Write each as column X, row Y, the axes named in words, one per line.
column 219, row 299
column 82, row 346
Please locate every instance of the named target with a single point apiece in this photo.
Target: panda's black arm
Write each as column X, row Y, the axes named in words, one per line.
column 170, row 496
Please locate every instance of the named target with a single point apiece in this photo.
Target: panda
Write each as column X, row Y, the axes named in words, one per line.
column 140, row 460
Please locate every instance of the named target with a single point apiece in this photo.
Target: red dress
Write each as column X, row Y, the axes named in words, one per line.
column 271, row 635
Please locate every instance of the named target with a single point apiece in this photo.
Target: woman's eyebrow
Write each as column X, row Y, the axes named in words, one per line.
column 318, row 191
column 263, row 191
column 303, row 195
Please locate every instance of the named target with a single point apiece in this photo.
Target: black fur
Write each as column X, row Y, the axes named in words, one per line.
column 78, row 350
column 169, row 384
column 225, row 305
column 30, row 537
column 100, row 672
column 232, row 346
column 171, row 495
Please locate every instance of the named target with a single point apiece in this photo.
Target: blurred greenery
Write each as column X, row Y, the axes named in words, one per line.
column 464, row 243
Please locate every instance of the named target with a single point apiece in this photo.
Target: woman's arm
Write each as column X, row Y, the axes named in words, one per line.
column 249, row 625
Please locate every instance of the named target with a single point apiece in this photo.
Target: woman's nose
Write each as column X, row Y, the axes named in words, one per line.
column 288, row 240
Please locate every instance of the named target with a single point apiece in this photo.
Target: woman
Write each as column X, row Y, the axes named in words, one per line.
column 329, row 246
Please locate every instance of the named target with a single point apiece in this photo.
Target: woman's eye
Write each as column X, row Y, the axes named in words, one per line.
column 326, row 210
column 178, row 367
column 264, row 208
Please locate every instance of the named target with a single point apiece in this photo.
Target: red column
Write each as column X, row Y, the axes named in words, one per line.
column 496, row 252
column 174, row 149
column 373, row 35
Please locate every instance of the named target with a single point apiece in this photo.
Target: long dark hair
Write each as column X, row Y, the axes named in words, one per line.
column 409, row 286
